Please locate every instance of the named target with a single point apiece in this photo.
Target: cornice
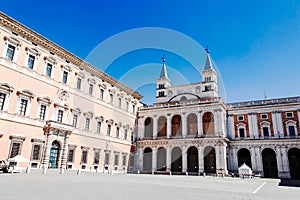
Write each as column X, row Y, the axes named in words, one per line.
column 33, row 36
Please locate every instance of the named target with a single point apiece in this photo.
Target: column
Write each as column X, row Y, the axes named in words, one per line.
column 258, row 157
column 139, row 158
column 141, row 128
column 154, row 126
column 184, row 125
column 230, row 129
column 65, row 151
column 184, row 159
column 169, row 125
column 250, row 125
column 216, row 122
column 253, row 159
column 221, row 163
column 154, row 159
column 47, row 150
column 274, row 123
column 280, row 124
column 200, row 126
column 282, row 162
column 201, row 159
column 235, row 159
column 254, row 126
column 169, row 155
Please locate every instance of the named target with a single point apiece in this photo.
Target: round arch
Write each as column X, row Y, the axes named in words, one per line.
column 192, row 125
column 208, row 124
column 209, row 160
column 244, row 156
column 192, row 160
column 176, row 160
column 148, row 127
column 176, row 126
column 294, row 163
column 161, row 159
column 162, row 126
column 269, row 163
column 147, row 159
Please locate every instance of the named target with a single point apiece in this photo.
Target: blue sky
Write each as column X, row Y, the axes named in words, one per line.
column 255, row 44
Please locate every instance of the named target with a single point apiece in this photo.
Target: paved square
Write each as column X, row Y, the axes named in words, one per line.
column 102, row 186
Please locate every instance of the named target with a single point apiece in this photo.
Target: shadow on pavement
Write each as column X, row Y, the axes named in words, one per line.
column 289, row 183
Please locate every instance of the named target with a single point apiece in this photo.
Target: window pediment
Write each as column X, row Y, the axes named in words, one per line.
column 26, row 93
column 6, row 88
column 45, row 100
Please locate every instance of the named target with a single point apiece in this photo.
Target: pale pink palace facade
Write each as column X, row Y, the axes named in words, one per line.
column 59, row 111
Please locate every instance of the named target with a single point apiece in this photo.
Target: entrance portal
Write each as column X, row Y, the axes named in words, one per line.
column 192, row 157
column 54, row 154
column 244, row 157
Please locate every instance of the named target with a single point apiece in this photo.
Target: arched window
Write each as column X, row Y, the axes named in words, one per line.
column 148, row 127
column 176, row 126
column 147, row 159
column 192, row 125
column 208, row 124
column 162, row 126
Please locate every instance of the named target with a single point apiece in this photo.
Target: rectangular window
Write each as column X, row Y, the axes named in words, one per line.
column 289, row 115
column 49, row 70
column 116, row 160
column 264, row 116
column 42, row 112
column 131, row 161
column 2, row 100
column 266, row 131
column 71, row 155
column 75, row 118
column 207, row 88
column 65, row 77
column 292, row 131
column 119, row 102
column 101, row 94
column 241, row 118
column 15, row 149
column 132, row 137
column 242, row 132
column 106, row 160
column 99, row 127
column 125, row 134
column 87, row 124
column 30, row 63
column 133, row 109
column 36, row 152
column 118, row 132
column 60, row 116
column 127, row 106
column 91, row 89
column 124, row 160
column 23, row 107
column 111, row 98
column 108, row 129
column 10, row 52
column 78, row 84
column 96, row 157
column 84, row 156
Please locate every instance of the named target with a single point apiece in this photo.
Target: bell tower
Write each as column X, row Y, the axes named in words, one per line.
column 162, row 83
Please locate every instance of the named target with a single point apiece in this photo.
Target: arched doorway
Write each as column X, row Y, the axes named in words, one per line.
column 148, row 127
column 147, row 159
column 54, row 154
column 209, row 160
column 161, row 159
column 192, row 125
column 176, row 126
column 244, row 157
column 192, row 159
column 269, row 163
column 294, row 162
column 208, row 124
column 162, row 126
column 176, row 160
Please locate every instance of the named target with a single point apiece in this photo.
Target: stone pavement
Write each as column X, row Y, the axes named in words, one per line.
column 89, row 185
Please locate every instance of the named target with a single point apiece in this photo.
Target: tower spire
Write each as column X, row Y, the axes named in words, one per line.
column 163, row 73
column 208, row 64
